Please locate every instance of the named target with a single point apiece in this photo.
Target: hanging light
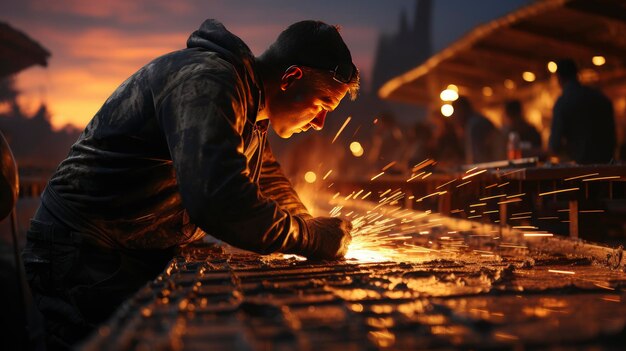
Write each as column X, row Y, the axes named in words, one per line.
column 528, row 76
column 552, row 66
column 447, row 110
column 598, row 60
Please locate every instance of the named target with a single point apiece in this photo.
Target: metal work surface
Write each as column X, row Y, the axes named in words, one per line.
column 446, row 285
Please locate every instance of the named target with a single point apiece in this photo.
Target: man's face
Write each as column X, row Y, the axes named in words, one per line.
column 303, row 103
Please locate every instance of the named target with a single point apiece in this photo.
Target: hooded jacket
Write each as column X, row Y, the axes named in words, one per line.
column 177, row 147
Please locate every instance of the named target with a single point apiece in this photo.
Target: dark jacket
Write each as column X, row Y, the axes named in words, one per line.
column 583, row 125
column 177, row 147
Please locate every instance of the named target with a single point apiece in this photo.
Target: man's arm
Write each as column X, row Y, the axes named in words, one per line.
column 277, row 187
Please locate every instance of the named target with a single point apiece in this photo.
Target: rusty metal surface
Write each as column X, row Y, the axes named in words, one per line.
column 474, row 295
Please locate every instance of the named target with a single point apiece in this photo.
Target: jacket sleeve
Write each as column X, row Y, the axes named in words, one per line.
column 276, row 186
column 202, row 119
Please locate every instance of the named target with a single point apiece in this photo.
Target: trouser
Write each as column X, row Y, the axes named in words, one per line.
column 77, row 282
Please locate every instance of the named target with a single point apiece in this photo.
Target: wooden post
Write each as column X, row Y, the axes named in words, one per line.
column 573, row 219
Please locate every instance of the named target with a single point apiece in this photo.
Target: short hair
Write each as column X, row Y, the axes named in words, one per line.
column 566, row 68
column 313, row 44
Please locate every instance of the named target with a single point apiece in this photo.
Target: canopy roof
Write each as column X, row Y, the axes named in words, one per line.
column 18, row 51
column 522, row 41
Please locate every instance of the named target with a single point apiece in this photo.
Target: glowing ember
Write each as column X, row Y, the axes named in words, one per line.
column 341, row 129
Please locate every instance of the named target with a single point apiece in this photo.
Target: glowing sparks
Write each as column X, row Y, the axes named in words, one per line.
column 378, row 175
column 560, row 272
column 447, row 183
column 474, row 174
column 537, row 235
column 389, row 165
column 462, row 184
column 341, row 129
column 582, row 176
column 601, row 178
column 558, row 191
column 327, row 174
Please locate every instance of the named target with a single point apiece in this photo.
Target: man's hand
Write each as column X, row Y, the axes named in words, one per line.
column 329, row 237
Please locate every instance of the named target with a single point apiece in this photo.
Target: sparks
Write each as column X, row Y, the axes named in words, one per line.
column 341, row 129
column 560, row 272
column 558, row 191
column 378, row 175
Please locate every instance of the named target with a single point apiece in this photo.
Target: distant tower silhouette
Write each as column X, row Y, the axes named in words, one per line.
column 410, row 46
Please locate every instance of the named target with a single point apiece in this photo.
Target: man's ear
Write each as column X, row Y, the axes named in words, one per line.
column 292, row 74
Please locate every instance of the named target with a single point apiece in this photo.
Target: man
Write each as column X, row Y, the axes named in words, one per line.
column 483, row 141
column 180, row 149
column 583, row 126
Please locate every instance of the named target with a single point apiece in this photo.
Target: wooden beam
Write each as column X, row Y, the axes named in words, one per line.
column 546, row 43
column 605, row 9
column 572, row 40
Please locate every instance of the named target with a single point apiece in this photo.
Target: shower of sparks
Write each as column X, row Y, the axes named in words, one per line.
column 341, row 129
column 327, row 174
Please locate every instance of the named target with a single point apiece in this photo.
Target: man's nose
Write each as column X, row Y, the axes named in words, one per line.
column 318, row 122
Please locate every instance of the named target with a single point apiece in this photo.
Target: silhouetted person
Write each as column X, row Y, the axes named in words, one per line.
column 483, row 141
column 514, row 122
column 583, row 125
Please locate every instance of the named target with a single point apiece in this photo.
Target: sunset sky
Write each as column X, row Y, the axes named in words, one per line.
column 96, row 45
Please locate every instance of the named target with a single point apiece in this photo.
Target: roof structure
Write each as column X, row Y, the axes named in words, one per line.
column 489, row 62
column 18, row 51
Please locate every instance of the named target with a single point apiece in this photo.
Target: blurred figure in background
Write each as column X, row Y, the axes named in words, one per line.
column 421, row 143
column 483, row 141
column 516, row 126
column 387, row 142
column 583, row 125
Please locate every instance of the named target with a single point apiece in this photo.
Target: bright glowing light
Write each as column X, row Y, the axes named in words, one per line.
column 449, row 94
column 598, row 60
column 453, row 87
column 310, row 177
column 552, row 67
column 487, row 91
column 356, row 149
column 528, row 76
column 365, row 255
column 447, row 110
column 509, row 84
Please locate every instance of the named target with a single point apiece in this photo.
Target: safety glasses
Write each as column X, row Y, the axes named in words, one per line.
column 343, row 73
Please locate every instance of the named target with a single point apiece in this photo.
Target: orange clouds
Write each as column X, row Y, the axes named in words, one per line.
column 89, row 69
